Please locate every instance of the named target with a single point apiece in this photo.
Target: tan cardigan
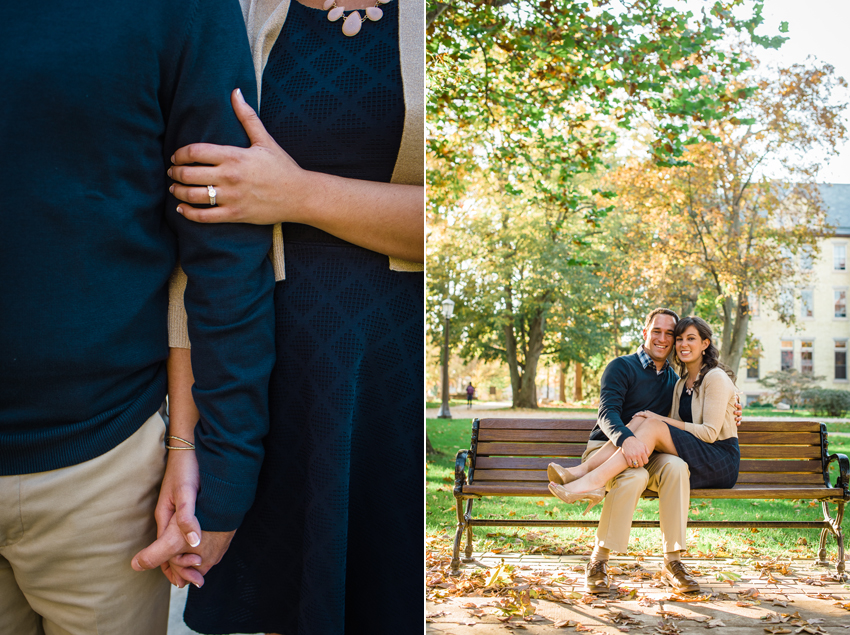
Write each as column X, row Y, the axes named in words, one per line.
column 713, row 408
column 264, row 20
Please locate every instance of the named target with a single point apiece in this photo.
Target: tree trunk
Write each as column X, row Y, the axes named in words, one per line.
column 528, row 390
column 562, row 383
column 736, row 320
column 430, row 450
column 577, row 392
column 513, row 364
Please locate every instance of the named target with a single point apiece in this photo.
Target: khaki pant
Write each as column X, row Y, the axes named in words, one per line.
column 67, row 537
column 664, row 473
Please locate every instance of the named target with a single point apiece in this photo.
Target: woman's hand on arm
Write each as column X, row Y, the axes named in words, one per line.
column 263, row 185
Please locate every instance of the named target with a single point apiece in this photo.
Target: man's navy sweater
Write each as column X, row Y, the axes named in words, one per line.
column 97, row 97
column 629, row 388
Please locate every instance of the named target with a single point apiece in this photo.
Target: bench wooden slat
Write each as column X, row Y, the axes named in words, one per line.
column 788, row 438
column 780, row 451
column 588, row 424
column 537, row 424
column 532, row 449
column 580, row 436
column 570, row 450
column 532, row 436
column 746, row 477
column 540, row 463
column 740, row 491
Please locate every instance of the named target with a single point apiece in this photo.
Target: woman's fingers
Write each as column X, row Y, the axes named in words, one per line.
column 206, row 153
column 211, row 214
column 195, row 175
column 247, row 116
column 195, row 195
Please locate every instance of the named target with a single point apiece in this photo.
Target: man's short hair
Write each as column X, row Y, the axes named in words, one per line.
column 655, row 312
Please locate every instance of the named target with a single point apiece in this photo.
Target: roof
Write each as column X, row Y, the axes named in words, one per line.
column 836, row 197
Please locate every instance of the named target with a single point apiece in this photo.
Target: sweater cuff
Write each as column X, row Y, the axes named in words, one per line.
column 221, row 506
column 625, row 434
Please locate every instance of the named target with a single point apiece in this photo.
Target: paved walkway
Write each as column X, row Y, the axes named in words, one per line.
column 503, row 410
column 793, row 596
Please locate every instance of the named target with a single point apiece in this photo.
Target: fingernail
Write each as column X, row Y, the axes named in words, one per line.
column 180, row 211
column 197, row 565
column 193, row 538
column 172, row 159
column 169, row 172
column 239, row 95
column 171, row 189
column 197, row 586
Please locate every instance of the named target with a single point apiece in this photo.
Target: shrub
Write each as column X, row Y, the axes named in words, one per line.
column 823, row 401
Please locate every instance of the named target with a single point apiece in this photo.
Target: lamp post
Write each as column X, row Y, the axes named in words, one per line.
column 448, row 310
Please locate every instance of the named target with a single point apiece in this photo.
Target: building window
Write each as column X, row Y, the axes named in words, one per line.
column 841, row 303
column 807, row 303
column 806, row 259
column 806, row 362
column 841, row 359
column 753, row 367
column 753, row 305
column 786, row 302
column 839, row 257
column 787, row 355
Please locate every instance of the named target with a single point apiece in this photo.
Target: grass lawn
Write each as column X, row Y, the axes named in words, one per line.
column 449, row 436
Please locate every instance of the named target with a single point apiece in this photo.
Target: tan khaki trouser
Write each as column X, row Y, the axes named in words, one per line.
column 664, row 473
column 67, row 537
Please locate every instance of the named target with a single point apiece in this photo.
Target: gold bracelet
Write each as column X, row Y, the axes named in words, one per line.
column 171, row 447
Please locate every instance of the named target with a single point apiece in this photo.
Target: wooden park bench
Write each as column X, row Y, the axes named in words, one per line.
column 779, row 460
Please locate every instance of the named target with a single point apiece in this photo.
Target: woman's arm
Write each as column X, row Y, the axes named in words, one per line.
column 263, row 185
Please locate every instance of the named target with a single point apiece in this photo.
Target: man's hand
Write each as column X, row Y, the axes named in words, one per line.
column 635, row 452
column 181, row 562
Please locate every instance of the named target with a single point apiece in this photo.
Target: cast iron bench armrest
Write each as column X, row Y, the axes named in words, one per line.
column 843, row 472
column 460, row 471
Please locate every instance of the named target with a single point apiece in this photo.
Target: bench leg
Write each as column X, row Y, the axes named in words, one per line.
column 461, row 525
column 834, row 529
column 468, row 551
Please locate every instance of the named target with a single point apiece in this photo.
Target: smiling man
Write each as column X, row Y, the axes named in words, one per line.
column 631, row 384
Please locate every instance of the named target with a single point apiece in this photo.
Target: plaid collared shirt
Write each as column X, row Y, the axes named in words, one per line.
column 646, row 361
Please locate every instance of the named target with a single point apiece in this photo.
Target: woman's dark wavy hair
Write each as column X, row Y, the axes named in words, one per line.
column 711, row 358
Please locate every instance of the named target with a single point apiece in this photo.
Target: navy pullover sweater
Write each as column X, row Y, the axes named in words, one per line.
column 629, row 388
column 97, row 97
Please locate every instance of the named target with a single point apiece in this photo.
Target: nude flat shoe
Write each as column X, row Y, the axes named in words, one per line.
column 594, row 497
column 559, row 475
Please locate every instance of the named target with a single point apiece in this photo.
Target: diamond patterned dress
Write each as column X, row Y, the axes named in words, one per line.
column 332, row 543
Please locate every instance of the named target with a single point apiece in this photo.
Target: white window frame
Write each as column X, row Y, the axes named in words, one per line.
column 835, row 292
column 803, row 315
column 837, row 349
column 835, row 247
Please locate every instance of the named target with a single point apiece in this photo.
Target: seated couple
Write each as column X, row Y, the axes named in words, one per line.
column 695, row 447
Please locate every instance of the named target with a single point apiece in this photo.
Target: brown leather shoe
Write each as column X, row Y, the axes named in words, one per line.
column 675, row 574
column 596, row 576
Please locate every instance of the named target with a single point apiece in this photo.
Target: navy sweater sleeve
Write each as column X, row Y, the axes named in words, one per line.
column 615, row 385
column 228, row 296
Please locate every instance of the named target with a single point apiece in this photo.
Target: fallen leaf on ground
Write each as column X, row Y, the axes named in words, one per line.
column 715, row 624
column 563, row 623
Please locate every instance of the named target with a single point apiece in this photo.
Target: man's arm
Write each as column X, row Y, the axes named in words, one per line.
column 228, row 295
column 614, row 386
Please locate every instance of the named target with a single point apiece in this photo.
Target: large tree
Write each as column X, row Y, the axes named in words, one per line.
column 525, row 97
column 734, row 223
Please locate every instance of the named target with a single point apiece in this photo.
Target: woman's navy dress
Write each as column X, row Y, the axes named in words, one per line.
column 332, row 543
column 712, row 465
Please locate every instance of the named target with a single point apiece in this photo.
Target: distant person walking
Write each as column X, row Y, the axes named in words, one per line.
column 470, row 394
